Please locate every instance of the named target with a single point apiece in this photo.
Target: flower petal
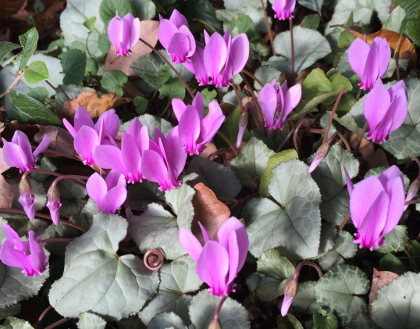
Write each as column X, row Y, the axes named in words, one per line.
column 114, row 178
column 186, row 31
column 178, row 107
column 82, row 118
column 109, row 157
column 154, row 169
column 215, row 56
column 166, row 30
column 115, row 31
column 375, row 105
column 114, row 199
column 268, row 102
column 199, row 67
column 175, row 153
column 111, row 123
column 96, row 189
column 204, row 232
column 384, row 55
column 211, row 124
column 179, row 46
column 190, row 243
column 132, row 158
column 198, row 103
column 85, row 142
column 357, row 56
column 42, row 146
column 233, row 251
column 189, row 129
column 12, row 156
column 239, row 53
column 350, row 185
column 285, row 305
column 38, row 259
column 178, row 19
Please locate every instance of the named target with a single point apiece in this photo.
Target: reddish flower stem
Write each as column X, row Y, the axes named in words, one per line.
column 342, row 137
column 54, row 183
column 56, row 240
column 48, row 172
column 49, row 308
column 56, row 324
column 309, row 263
column 292, row 44
column 332, row 115
column 268, row 28
column 233, row 147
column 253, row 77
column 217, row 313
column 259, row 115
column 344, row 222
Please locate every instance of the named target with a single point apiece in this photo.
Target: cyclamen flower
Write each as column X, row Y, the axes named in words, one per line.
column 221, row 59
column 370, row 63
column 385, row 110
column 284, row 8
column 164, row 160
column 28, row 255
column 277, row 102
column 88, row 135
column 127, row 160
column 376, row 206
column 194, row 131
column 18, row 153
column 110, row 193
column 124, row 33
column 290, row 291
column 176, row 37
column 53, row 204
column 27, row 198
column 218, row 262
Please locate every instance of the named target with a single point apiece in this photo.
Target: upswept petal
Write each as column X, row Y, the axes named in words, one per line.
column 233, row 251
column 42, row 146
column 175, row 153
column 178, row 106
column 291, row 100
column 198, row 103
column 189, row 129
column 212, row 267
column 166, row 30
column 135, row 29
column 397, row 111
column 109, row 157
column 357, row 56
column 268, row 102
column 204, row 232
column 82, row 118
column 13, row 157
column 215, row 56
column 114, row 199
column 179, row 46
column 13, row 257
column 114, row 178
column 96, row 189
column 199, row 66
column 211, row 124
column 350, row 185
column 190, row 243
column 85, row 142
column 133, row 129
column 154, row 169
column 131, row 158
column 115, row 31
column 371, row 72
column 111, row 123
column 376, row 104
column 131, row 33
column 69, row 128
column 239, row 53
column 178, row 19
column 384, row 55
column 11, row 234
column 186, row 31
column 38, row 259
column 25, row 147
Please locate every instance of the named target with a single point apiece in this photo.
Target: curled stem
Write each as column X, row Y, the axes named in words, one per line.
column 344, row 222
column 153, row 259
column 43, row 314
column 170, row 65
column 295, row 136
column 309, row 263
column 332, row 115
column 56, row 240
column 70, row 177
column 268, row 28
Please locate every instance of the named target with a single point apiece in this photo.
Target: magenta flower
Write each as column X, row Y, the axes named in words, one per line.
column 284, row 8
column 29, row 256
column 218, row 262
column 376, row 206
column 27, row 198
column 53, row 204
column 176, row 37
column 321, row 153
column 127, row 160
column 194, row 131
column 385, row 110
column 18, row 153
column 110, row 193
column 370, row 63
column 285, row 305
column 124, row 33
column 277, row 102
column 222, row 58
column 164, row 160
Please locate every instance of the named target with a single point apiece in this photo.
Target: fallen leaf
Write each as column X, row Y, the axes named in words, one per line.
column 149, row 33
column 61, row 140
column 379, row 279
column 392, row 38
column 10, row 7
column 208, row 151
column 90, row 101
column 7, row 192
column 374, row 159
column 209, row 211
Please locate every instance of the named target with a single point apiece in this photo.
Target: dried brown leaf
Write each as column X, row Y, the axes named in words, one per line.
column 379, row 279
column 7, row 192
column 61, row 140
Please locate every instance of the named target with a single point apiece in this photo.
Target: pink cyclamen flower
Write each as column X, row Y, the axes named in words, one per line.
column 164, row 160
column 284, row 8
column 88, row 135
column 110, row 193
column 221, row 59
column 127, row 160
column 370, row 63
column 218, row 262
column 27, row 198
column 277, row 102
column 385, row 110
column 376, row 206
column 18, row 153
column 194, row 131
column 28, row 255
column 176, row 37
column 124, row 33
column 321, row 153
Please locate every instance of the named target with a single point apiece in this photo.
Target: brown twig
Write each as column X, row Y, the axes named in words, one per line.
column 14, row 83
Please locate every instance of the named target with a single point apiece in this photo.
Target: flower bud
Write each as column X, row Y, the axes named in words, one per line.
column 290, row 291
column 321, row 153
column 27, row 198
column 215, row 325
column 53, row 203
column 413, row 190
column 243, row 122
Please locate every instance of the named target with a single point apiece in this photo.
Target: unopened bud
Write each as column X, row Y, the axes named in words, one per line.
column 321, row 153
column 413, row 190
column 27, row 198
column 215, row 325
column 53, row 203
column 243, row 122
column 290, row 291
column 25, row 186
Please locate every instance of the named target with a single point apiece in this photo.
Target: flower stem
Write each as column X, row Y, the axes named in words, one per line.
column 292, row 45
column 70, row 177
column 268, row 28
column 295, row 137
column 14, row 83
column 235, row 89
column 344, row 222
column 48, row 172
column 359, row 92
column 37, row 214
column 260, row 121
column 342, row 137
column 56, row 240
column 253, row 77
column 58, row 154
column 327, row 130
column 359, row 140
column 309, row 263
column 233, row 147
column 153, row 259
column 56, row 324
column 43, row 314
column 170, row 65
column 217, row 313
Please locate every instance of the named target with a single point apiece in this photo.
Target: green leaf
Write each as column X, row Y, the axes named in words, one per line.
column 396, row 240
column 177, row 279
column 220, row 179
column 166, row 320
column 90, row 23
column 74, row 65
column 314, row 5
column 203, row 306
column 361, row 321
column 273, row 161
column 275, row 271
column 39, row 93
column 143, row 9
column 108, row 8
column 29, row 41
column 9, row 311
column 330, row 177
column 313, row 46
column 36, row 72
column 202, row 10
column 149, row 63
column 392, row 263
column 6, row 47
column 113, row 80
column 242, row 23
column 152, row 122
column 15, row 323
column 293, row 223
column 25, row 109
column 339, row 289
column 304, row 301
column 398, row 302
column 322, row 320
column 124, row 289
column 89, row 320
column 251, row 161
column 164, row 74
column 92, row 67
column 345, row 39
column 413, row 30
column 141, row 104
column 78, row 45
column 256, row 15
column 288, row 322
column 180, row 200
column 266, row 74
column 173, row 88
column 104, row 43
column 310, row 22
column 141, row 203
column 156, row 228
column 15, row 286
column 393, row 23
column 237, row 4
column 132, row 322
column 408, row 5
